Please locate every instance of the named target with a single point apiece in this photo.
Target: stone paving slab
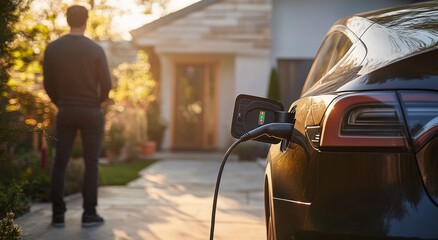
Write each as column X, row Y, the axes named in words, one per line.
column 170, row 200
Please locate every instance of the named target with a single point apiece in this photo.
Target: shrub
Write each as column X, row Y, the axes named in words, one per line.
column 274, row 85
column 12, row 195
column 9, row 230
column 114, row 140
column 13, row 199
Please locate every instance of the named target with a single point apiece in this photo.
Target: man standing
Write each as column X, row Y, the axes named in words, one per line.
column 77, row 80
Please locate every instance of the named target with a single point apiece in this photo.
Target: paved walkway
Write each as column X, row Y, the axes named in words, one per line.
column 170, row 200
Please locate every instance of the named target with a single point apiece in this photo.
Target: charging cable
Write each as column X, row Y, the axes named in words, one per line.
column 218, row 182
column 275, row 130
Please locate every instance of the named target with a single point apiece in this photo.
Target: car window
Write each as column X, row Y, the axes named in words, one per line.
column 333, row 48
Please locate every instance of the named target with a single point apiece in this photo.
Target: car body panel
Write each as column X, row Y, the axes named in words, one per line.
column 419, row 72
column 362, row 192
column 388, row 40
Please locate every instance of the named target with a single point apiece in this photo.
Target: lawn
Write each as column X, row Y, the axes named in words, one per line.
column 121, row 173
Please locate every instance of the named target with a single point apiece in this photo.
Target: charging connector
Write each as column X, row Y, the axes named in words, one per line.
column 273, row 130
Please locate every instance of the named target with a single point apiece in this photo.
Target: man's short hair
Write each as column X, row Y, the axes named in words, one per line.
column 77, row 16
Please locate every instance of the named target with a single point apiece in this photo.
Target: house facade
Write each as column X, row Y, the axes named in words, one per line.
column 206, row 54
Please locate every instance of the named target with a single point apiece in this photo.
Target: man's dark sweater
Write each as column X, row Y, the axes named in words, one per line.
column 76, row 72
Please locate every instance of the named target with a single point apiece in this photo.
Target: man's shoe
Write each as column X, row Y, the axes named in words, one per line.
column 58, row 221
column 91, row 220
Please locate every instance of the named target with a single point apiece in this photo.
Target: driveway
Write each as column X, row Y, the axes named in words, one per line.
column 171, row 199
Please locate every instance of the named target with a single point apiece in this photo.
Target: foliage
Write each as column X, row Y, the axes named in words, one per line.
column 9, row 15
column 124, row 131
column 102, row 17
column 135, row 85
column 25, row 105
column 27, row 100
column 8, row 167
column 35, row 180
column 122, row 173
column 100, row 20
column 36, row 176
column 114, row 140
column 13, row 198
column 23, row 180
column 9, row 230
column 43, row 23
column 274, row 86
column 150, row 5
column 26, row 27
column 127, row 123
column 39, row 189
column 11, row 187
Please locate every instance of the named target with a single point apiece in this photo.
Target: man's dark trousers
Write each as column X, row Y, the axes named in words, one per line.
column 89, row 122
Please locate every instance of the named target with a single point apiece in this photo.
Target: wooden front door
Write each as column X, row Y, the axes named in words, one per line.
column 194, row 118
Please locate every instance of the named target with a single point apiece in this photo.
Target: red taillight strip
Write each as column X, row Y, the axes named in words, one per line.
column 419, row 96
column 331, row 134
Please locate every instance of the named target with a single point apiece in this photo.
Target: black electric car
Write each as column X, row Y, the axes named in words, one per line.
column 362, row 159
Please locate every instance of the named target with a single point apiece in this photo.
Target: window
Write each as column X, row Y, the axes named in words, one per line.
column 332, row 50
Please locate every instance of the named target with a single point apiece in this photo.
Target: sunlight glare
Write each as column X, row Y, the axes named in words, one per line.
column 135, row 17
column 130, row 14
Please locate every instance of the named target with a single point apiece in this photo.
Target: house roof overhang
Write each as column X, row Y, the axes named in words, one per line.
column 211, row 27
column 136, row 33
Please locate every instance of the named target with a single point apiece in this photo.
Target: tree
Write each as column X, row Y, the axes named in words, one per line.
column 274, row 86
column 34, row 29
column 150, row 4
column 26, row 27
column 10, row 16
column 10, row 190
column 135, row 84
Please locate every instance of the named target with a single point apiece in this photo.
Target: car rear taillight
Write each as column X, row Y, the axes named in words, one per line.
column 364, row 120
column 421, row 110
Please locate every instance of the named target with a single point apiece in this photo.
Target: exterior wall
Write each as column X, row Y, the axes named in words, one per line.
column 252, row 75
column 299, row 26
column 226, row 91
column 225, row 82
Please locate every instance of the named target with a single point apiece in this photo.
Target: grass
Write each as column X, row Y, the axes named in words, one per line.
column 121, row 173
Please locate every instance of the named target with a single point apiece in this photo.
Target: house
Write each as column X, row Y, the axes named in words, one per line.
column 118, row 52
column 209, row 52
